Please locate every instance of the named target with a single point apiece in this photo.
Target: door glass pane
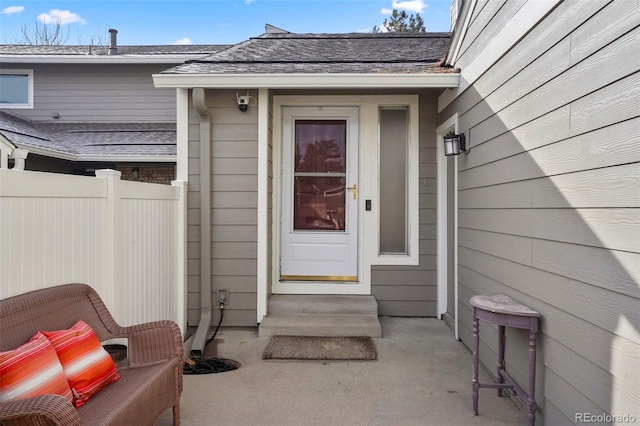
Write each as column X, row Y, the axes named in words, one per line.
column 319, row 203
column 320, row 146
column 393, row 180
column 319, row 175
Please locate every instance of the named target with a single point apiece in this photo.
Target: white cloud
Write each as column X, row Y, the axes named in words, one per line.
column 416, row 6
column 63, row 17
column 249, row 1
column 184, row 40
column 386, row 11
column 12, row 9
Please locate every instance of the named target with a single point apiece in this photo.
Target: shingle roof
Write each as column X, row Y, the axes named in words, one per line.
column 108, row 140
column 162, row 54
column 64, row 50
column 327, row 53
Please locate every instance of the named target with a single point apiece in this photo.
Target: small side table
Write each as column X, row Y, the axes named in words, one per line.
column 503, row 311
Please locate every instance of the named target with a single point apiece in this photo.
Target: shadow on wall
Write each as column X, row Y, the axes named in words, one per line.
column 548, row 214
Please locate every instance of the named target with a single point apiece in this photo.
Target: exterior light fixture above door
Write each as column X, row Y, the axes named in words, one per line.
column 454, row 144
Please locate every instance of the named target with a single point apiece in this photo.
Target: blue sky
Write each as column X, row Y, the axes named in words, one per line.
column 206, row 21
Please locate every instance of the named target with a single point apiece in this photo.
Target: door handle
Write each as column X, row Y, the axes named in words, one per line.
column 354, row 188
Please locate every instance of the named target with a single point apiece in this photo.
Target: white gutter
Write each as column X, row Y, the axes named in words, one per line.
column 200, row 339
column 264, row 133
column 299, row 81
column 90, row 59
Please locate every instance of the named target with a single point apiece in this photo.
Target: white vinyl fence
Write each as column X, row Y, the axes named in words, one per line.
column 125, row 239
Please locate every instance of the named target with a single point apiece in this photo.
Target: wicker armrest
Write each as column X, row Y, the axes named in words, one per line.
column 39, row 410
column 153, row 341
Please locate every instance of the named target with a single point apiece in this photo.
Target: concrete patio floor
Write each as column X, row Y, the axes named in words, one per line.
column 422, row 377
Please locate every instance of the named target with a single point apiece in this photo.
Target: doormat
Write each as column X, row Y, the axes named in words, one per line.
column 320, row 348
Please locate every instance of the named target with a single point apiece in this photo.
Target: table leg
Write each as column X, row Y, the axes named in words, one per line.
column 501, row 342
column 476, row 353
column 532, row 379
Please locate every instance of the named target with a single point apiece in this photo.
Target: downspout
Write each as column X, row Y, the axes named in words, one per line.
column 200, row 339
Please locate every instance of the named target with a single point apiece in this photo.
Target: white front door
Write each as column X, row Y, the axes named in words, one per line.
column 319, row 202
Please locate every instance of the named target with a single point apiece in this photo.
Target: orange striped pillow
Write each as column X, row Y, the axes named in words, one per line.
column 32, row 369
column 87, row 365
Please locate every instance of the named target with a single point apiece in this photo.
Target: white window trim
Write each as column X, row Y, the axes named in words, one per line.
column 412, row 257
column 29, row 74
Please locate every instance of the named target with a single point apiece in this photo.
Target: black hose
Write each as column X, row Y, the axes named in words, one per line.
column 198, row 365
column 218, row 327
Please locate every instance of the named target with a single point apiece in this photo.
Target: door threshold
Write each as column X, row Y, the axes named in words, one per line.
column 304, row 278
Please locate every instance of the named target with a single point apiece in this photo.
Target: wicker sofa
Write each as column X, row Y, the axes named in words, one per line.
column 151, row 380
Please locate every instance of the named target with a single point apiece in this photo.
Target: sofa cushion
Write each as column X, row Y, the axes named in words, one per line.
column 138, row 398
column 87, row 365
column 32, row 369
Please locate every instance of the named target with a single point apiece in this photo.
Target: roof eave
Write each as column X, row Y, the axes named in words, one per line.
column 84, row 157
column 88, row 59
column 300, row 81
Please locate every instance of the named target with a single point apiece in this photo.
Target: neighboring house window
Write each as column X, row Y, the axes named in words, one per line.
column 16, row 89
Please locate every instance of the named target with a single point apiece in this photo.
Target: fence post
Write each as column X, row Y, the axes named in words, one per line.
column 19, row 156
column 181, row 255
column 113, row 244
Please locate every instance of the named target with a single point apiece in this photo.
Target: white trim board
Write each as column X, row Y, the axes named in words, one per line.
column 451, row 124
column 367, row 190
column 460, row 31
column 526, row 18
column 262, row 275
column 279, row 81
column 182, row 134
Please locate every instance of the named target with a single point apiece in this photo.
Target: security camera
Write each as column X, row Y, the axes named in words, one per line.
column 243, row 102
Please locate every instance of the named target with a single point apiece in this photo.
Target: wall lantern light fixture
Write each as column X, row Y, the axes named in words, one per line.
column 455, row 144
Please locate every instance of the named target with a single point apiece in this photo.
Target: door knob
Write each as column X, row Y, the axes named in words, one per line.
column 354, row 188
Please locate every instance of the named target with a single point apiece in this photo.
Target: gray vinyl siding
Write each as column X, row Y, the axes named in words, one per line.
column 412, row 290
column 234, row 208
column 399, row 290
column 549, row 200
column 97, row 93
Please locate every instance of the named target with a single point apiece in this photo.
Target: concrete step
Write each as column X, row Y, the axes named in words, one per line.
column 280, row 304
column 320, row 325
column 321, row 315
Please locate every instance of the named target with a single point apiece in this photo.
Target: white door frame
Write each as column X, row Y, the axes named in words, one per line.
column 363, row 285
column 341, row 246
column 368, row 189
column 450, row 125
